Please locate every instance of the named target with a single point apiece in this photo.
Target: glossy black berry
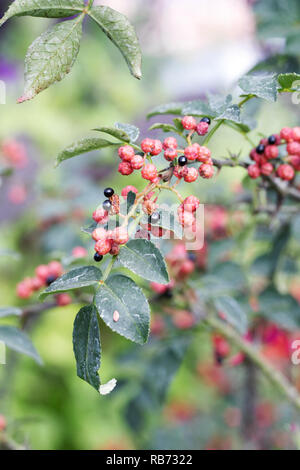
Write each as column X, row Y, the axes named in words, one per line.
column 108, row 192
column 260, row 149
column 206, row 119
column 98, row 257
column 182, row 160
column 106, row 205
column 192, row 257
column 154, row 218
column 272, row 139
column 50, row 279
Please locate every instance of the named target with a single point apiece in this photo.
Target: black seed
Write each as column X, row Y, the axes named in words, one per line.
column 272, row 139
column 154, row 218
column 260, row 149
column 206, row 119
column 106, row 205
column 50, row 279
column 192, row 257
column 108, row 192
column 98, row 257
column 182, row 161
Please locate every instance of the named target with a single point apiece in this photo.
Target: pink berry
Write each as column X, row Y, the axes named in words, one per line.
column 296, row 133
column 99, row 234
column 271, row 151
column 147, row 145
column 191, row 203
column 266, row 169
column 254, row 171
column 191, row 152
column 294, row 160
column 190, row 175
column 186, row 218
column 158, row 288
column 42, row 271
column 202, row 128
column 170, row 154
column 125, row 168
column 100, row 215
column 63, row 299
column 286, row 134
column 24, row 289
column 127, row 190
column 203, row 154
column 189, row 123
column 55, row 269
column 126, row 153
column 156, row 148
column 79, row 252
column 293, row 148
column 255, row 156
column 149, row 172
column 286, row 172
column 3, row 423
column 115, row 248
column 179, row 172
column 103, row 247
column 206, row 171
column 137, row 162
column 37, row 283
column 170, row 143
column 120, row 235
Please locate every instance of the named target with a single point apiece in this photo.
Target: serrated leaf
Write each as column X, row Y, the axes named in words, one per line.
column 87, row 345
column 170, row 108
column 164, row 127
column 281, row 309
column 262, row 85
column 233, row 312
column 74, row 279
column 117, row 133
column 83, row 146
column 51, row 56
column 18, row 341
column 43, row 8
column 120, row 294
column 143, row 258
column 197, row 108
column 132, row 131
column 232, row 113
column 121, row 32
column 10, row 311
column 287, row 80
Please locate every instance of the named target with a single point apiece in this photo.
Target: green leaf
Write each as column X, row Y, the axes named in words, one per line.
column 120, row 294
column 262, row 85
column 74, row 279
column 234, row 313
column 51, row 56
column 197, row 108
column 87, row 345
column 131, row 197
column 18, row 341
column 231, row 275
column 281, row 309
column 43, row 8
column 117, row 133
column 10, row 311
column 287, row 80
column 90, row 228
column 164, row 127
column 83, row 146
column 120, row 31
column 296, row 227
column 143, row 258
column 170, row 108
column 132, row 131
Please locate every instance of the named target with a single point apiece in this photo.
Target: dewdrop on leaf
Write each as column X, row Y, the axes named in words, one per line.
column 116, row 316
column 108, row 387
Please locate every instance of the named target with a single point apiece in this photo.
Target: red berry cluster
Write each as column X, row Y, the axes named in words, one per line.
column 153, row 147
column 267, row 156
column 45, row 274
column 109, row 241
column 14, row 153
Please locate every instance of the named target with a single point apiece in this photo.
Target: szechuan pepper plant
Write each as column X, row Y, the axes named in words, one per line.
column 160, row 273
